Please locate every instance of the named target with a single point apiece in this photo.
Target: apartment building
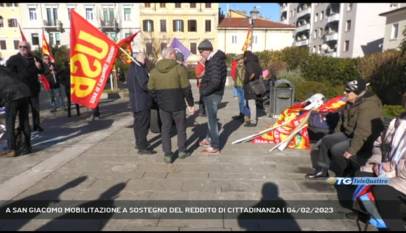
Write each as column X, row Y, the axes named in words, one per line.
column 9, row 32
column 267, row 35
column 337, row 29
column 117, row 20
column 188, row 22
column 395, row 25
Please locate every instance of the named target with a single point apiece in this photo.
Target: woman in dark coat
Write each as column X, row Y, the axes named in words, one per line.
column 253, row 72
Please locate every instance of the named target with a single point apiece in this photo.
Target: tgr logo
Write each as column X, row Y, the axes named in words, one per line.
column 358, row 181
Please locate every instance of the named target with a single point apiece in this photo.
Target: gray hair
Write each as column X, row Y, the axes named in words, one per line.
column 166, row 52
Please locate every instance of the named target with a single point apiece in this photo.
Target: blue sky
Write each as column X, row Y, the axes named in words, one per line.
column 268, row 10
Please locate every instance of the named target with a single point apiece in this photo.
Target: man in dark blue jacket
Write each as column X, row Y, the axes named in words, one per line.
column 141, row 102
column 212, row 90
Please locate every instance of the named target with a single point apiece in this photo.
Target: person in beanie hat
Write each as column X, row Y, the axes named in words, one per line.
column 180, row 58
column 212, row 91
column 361, row 123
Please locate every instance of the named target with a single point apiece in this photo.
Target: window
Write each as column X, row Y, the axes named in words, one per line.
column 33, row 14
column 315, row 34
column 54, row 38
column 1, row 22
column 322, row 15
column 35, row 39
column 346, row 46
column 316, row 17
column 163, row 45
column 16, row 42
column 192, row 27
column 208, row 26
column 395, row 31
column 163, row 25
column 208, row 5
column 321, row 32
column 52, row 16
column 9, row 4
column 16, row 4
column 149, row 48
column 192, row 5
column 89, row 13
column 127, row 14
column 3, row 45
column 234, row 39
column 193, row 48
column 162, row 5
column 178, row 25
column 177, row 5
column 148, row 25
column 349, row 6
column 108, row 16
column 348, row 25
column 147, row 5
column 255, row 39
column 12, row 23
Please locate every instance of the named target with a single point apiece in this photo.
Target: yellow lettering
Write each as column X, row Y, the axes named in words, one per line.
column 84, row 62
column 101, row 44
column 78, row 82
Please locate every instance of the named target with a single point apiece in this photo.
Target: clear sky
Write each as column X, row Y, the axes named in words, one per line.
column 268, row 10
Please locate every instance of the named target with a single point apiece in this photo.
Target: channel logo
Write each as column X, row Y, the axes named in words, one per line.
column 358, row 181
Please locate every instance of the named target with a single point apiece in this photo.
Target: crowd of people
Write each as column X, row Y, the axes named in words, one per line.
column 360, row 145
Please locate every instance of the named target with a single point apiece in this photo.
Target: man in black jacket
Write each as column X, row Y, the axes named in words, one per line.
column 26, row 68
column 212, row 90
column 64, row 74
column 141, row 102
column 15, row 96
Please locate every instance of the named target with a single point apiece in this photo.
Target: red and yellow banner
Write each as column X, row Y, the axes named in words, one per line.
column 92, row 57
column 22, row 34
column 45, row 48
column 125, row 44
column 248, row 40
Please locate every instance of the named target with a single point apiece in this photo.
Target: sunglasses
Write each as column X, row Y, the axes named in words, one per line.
column 23, row 47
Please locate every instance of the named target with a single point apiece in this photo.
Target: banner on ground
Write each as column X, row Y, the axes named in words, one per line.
column 92, row 57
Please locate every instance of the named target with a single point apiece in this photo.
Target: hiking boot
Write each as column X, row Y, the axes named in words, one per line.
column 168, row 158
column 184, row 154
column 10, row 153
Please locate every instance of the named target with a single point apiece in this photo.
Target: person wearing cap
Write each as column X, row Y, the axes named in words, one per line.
column 141, row 102
column 212, row 91
column 361, row 122
column 170, row 87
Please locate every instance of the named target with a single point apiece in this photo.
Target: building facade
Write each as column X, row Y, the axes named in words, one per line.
column 188, row 22
column 337, row 29
column 9, row 32
column 117, row 20
column 267, row 35
column 395, row 25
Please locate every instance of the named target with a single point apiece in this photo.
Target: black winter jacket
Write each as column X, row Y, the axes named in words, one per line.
column 252, row 66
column 25, row 70
column 214, row 78
column 140, row 97
column 11, row 89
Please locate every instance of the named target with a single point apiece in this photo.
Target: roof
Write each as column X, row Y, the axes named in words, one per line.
column 259, row 23
column 393, row 11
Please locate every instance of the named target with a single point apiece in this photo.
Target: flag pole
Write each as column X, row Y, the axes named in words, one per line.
column 125, row 52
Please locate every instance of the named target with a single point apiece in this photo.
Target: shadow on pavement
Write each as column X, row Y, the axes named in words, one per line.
column 228, row 129
column 95, row 222
column 271, row 222
column 42, row 200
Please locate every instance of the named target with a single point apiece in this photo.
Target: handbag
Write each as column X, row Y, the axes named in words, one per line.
column 257, row 86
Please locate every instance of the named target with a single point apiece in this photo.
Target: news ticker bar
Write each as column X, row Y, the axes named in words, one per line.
column 120, row 209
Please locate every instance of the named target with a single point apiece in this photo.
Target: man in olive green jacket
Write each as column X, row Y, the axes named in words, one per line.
column 361, row 123
column 170, row 87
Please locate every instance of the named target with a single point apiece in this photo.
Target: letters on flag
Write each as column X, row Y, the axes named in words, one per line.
column 45, row 48
column 126, row 45
column 92, row 57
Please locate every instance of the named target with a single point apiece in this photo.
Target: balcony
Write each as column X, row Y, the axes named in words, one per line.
column 109, row 25
column 334, row 17
column 304, row 12
column 303, row 27
column 331, row 37
column 302, row 42
column 53, row 25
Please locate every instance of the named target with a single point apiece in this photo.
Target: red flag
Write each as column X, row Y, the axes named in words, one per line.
column 22, row 34
column 45, row 48
column 44, row 82
column 92, row 56
column 126, row 45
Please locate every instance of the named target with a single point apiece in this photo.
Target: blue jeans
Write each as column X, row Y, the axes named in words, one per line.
column 242, row 102
column 211, row 103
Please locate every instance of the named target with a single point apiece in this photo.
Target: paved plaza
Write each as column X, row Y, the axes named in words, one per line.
column 100, row 156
